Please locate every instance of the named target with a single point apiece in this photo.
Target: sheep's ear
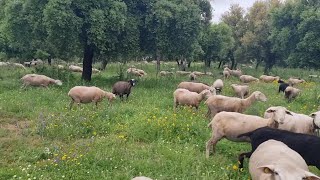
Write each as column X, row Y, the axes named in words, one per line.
column 313, row 115
column 288, row 112
column 311, row 176
column 267, row 169
column 270, row 110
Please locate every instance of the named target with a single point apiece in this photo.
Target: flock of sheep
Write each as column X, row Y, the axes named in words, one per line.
column 283, row 142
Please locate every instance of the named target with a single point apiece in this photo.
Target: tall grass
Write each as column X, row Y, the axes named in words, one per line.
column 41, row 138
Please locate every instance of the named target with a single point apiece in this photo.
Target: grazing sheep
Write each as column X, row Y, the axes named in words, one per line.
column 192, row 76
column 198, row 73
column 247, row 78
column 36, row 62
column 4, row 64
column 94, row 70
column 18, row 65
column 268, row 79
column 240, row 90
column 136, row 72
column 306, row 145
column 84, row 94
column 183, row 72
column 195, row 87
column 231, row 124
column 236, row 73
column 294, row 81
column 186, row 97
column 295, row 122
column 275, row 160
column 74, row 68
column 316, row 119
column 226, row 73
column 38, row 80
column 218, row 85
column 141, row 178
column 165, row 73
column 282, row 86
column 220, row 103
column 291, row 93
column 121, row 88
column 208, row 74
column 60, row 66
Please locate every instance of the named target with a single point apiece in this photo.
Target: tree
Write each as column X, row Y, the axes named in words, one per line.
column 91, row 26
column 234, row 18
column 216, row 42
column 295, row 33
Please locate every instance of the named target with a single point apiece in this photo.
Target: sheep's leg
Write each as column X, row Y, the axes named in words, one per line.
column 212, row 142
column 241, row 158
column 121, row 97
column 128, row 96
column 71, row 104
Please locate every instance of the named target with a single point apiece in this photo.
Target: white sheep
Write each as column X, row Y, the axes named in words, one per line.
column 220, row 103
column 18, row 65
column 198, row 73
column 247, row 78
column 298, row 123
column 230, row 125
column 183, row 72
column 236, row 73
column 60, row 66
column 186, row 97
column 85, row 94
column 194, row 87
column 192, row 76
column 241, row 91
column 38, row 80
column 218, row 85
column 165, row 73
column 290, row 93
column 141, row 178
column 74, row 68
column 275, row 160
column 268, row 79
column 294, row 81
column 226, row 73
column 94, row 70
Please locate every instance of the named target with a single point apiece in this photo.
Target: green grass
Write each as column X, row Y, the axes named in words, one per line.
column 41, row 138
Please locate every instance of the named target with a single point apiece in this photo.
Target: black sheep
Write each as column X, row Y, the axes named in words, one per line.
column 307, row 146
column 282, row 86
column 121, row 88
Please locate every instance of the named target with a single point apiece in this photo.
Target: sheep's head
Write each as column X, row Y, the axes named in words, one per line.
column 278, row 113
column 213, row 90
column 132, row 82
column 110, row 96
column 316, row 119
column 278, row 172
column 58, row 82
column 206, row 94
column 260, row 96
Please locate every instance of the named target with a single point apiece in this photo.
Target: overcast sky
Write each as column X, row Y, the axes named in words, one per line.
column 220, row 6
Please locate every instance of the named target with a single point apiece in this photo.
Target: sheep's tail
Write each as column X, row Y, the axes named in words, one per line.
column 248, row 134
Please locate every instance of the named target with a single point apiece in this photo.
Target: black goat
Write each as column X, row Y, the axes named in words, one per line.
column 308, row 146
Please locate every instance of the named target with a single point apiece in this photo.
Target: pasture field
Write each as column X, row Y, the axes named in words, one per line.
column 40, row 138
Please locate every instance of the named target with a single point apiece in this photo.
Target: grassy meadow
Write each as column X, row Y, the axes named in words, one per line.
column 40, row 138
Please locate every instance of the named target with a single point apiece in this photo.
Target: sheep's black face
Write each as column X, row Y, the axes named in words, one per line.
column 133, row 82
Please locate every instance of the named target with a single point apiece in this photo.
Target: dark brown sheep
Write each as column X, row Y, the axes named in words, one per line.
column 121, row 88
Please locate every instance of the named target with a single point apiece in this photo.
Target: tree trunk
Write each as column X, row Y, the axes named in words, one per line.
column 189, row 64
column 158, row 60
column 220, row 63
column 207, row 63
column 258, row 63
column 87, row 62
column 49, row 60
column 104, row 64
